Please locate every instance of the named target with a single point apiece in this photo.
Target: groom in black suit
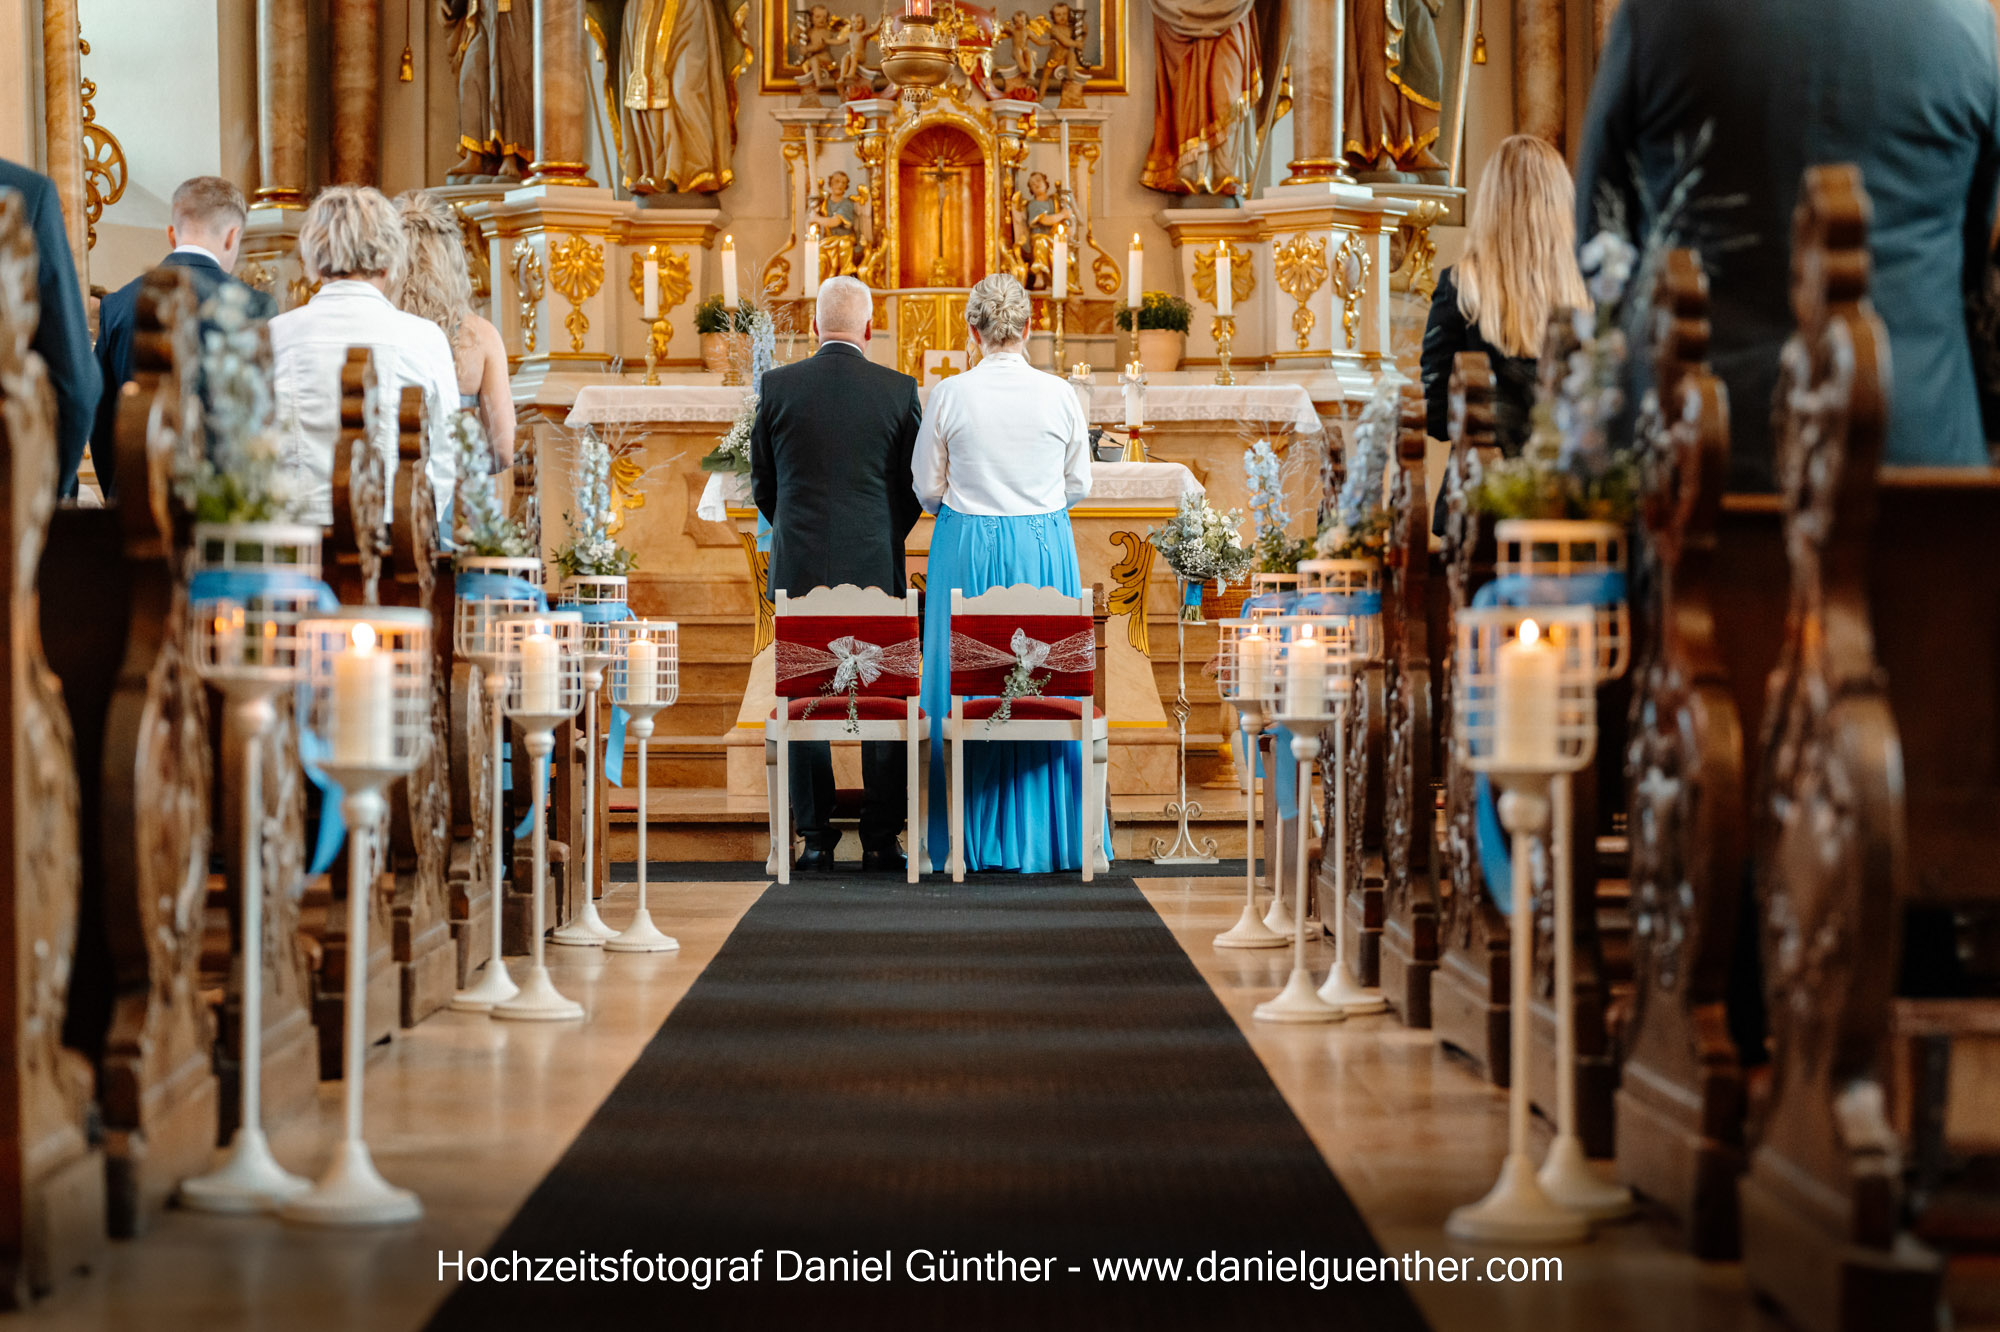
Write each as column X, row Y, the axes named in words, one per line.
column 830, row 468
column 206, row 235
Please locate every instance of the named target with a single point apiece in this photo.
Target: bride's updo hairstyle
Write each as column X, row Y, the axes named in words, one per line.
column 998, row 311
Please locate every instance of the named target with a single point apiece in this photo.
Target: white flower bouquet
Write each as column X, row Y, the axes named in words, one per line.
column 231, row 470
column 590, row 551
column 1200, row 543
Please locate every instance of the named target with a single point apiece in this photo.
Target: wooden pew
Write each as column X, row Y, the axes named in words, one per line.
column 1409, row 947
column 52, row 1211
column 1470, row 987
column 1879, row 803
column 1681, row 1098
column 144, row 763
column 1361, row 840
column 420, row 831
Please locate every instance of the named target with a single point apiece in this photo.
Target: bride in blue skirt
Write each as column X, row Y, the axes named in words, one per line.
column 1003, row 455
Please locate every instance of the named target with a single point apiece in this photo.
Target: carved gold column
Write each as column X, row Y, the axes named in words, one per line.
column 357, row 56
column 1316, row 91
column 562, row 99
column 1538, row 69
column 62, row 122
column 281, row 103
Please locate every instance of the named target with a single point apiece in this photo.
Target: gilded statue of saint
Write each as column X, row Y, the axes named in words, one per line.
column 836, row 215
column 1394, row 85
column 493, row 55
column 1046, row 212
column 677, row 65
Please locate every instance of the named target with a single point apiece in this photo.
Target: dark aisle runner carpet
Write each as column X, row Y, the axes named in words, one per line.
column 660, row 872
column 1023, row 1067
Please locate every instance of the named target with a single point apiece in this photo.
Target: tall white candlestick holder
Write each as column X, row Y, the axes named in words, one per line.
column 1352, row 588
column 1313, row 680
column 1245, row 676
column 1527, row 718
column 494, row 589
column 369, row 675
column 544, row 669
column 645, row 677
column 594, row 597
column 1277, row 590
column 247, row 646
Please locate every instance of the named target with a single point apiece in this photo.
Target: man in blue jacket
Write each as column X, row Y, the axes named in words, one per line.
column 63, row 335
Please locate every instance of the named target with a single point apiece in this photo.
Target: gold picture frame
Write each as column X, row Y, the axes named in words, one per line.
column 1106, row 18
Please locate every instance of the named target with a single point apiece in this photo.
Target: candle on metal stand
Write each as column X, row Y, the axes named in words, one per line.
column 228, row 635
column 1254, row 657
column 650, row 286
column 1135, row 396
column 1135, row 262
column 642, row 670
column 362, row 709
column 1305, row 674
column 729, row 276
column 540, row 672
column 1526, row 700
column 812, row 260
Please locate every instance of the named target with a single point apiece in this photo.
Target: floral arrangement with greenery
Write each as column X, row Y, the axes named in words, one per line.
column 1276, row 550
column 1158, row 310
column 710, row 317
column 480, row 526
column 1358, row 526
column 733, row 453
column 1200, row 543
column 590, row 551
column 240, row 476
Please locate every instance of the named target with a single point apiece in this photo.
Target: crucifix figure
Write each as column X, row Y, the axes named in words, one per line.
column 941, row 172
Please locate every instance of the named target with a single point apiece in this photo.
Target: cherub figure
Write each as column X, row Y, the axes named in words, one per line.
column 1020, row 30
column 816, row 34
column 1064, row 35
column 853, row 72
column 1046, row 212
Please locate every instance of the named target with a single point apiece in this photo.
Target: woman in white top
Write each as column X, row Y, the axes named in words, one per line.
column 1002, row 456
column 352, row 243
column 437, row 285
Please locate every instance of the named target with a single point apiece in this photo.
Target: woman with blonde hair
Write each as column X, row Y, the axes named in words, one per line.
column 437, row 286
column 1001, row 458
column 1519, row 268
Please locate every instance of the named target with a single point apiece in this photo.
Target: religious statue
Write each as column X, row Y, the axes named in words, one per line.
column 493, row 55
column 1064, row 32
column 1205, row 93
column 677, row 63
column 1046, row 212
column 835, row 213
column 1020, row 80
column 815, row 34
column 1394, row 86
column 856, row 78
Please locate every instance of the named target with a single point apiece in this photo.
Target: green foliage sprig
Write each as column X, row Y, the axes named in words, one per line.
column 1158, row 310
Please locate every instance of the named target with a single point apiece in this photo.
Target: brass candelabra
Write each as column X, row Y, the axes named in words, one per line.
column 1223, row 329
column 657, row 337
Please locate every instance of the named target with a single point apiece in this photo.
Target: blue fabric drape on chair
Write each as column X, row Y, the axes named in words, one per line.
column 1022, row 805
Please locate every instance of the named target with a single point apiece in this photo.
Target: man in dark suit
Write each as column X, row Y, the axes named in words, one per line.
column 206, row 234
column 830, row 467
column 1909, row 91
column 63, row 335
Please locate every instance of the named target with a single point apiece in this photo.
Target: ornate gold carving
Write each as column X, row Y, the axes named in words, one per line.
column 528, row 282
column 675, row 286
column 1242, row 277
column 1351, row 264
column 478, row 261
column 1128, row 598
column 104, row 174
column 576, row 270
column 627, row 491
column 760, row 579
column 256, row 273
column 1416, row 271
column 1301, row 265
column 300, row 290
column 925, row 323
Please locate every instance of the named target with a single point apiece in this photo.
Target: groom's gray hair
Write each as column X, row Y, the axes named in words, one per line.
column 845, row 306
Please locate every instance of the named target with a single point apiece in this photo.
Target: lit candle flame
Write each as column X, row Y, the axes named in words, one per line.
column 363, row 637
column 1530, row 631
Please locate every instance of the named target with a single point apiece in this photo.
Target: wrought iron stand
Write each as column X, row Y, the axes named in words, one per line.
column 1185, row 850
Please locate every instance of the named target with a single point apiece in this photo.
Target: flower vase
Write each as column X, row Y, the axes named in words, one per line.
column 719, row 351
column 1161, row 349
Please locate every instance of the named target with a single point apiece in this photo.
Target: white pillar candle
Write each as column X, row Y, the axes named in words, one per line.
column 1526, row 701
column 228, row 635
column 363, row 702
column 1305, row 674
column 1225, row 285
column 650, row 284
column 1253, row 665
column 1059, row 279
column 1135, row 396
column 812, row 260
column 1065, row 155
column 1135, row 263
column 541, row 672
column 729, row 278
column 642, row 671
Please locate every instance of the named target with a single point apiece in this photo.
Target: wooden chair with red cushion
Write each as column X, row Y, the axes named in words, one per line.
column 849, row 665
column 1050, row 637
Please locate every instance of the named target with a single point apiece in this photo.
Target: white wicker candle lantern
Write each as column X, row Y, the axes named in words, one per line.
column 543, row 661
column 1313, row 676
column 253, row 583
column 600, row 600
column 492, row 590
column 1571, row 563
column 1346, row 587
column 645, row 677
column 368, row 722
column 1526, row 717
column 1246, row 675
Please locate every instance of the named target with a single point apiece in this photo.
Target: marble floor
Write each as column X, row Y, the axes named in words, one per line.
column 471, row 1114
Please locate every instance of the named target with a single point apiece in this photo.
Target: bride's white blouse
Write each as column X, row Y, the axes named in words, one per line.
column 1003, row 439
